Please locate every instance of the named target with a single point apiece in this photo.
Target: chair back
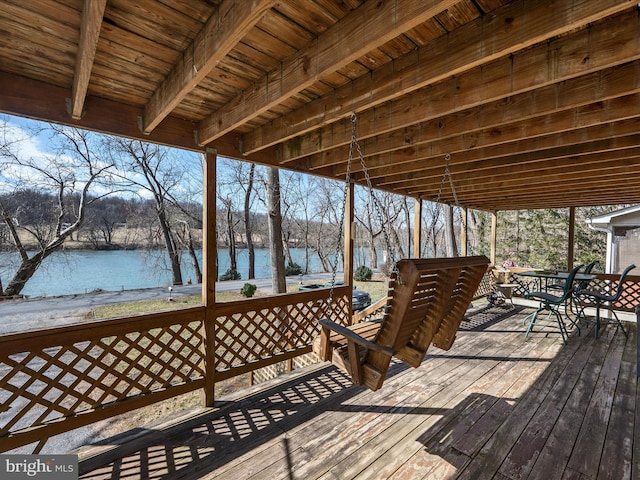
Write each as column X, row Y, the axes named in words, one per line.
column 583, row 284
column 567, row 289
column 620, row 287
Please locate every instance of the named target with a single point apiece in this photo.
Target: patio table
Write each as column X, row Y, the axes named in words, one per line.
column 547, row 275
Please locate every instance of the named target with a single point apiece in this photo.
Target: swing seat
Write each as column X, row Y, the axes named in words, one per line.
column 426, row 302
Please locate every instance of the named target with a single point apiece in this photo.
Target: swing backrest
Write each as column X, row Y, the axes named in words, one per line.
column 427, row 301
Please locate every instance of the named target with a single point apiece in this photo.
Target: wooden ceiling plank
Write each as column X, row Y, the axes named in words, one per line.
column 216, row 39
column 92, row 13
column 494, row 82
column 624, row 81
column 364, row 29
column 574, row 172
column 508, row 30
column 428, row 138
column 605, row 183
column 415, row 159
column 600, row 151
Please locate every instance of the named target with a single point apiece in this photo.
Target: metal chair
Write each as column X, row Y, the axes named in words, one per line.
column 602, row 299
column 553, row 303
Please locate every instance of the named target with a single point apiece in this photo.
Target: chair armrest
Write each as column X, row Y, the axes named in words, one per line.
column 354, row 337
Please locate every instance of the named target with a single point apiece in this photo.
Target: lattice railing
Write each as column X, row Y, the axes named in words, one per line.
column 255, row 333
column 609, row 283
column 484, row 288
column 58, row 379
column 55, row 380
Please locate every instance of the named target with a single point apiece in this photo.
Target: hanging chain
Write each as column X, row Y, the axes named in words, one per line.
column 347, row 181
column 446, row 175
column 372, row 197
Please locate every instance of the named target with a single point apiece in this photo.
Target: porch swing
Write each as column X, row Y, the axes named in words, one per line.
column 426, row 302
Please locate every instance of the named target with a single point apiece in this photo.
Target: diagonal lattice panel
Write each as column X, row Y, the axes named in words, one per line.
column 80, row 374
column 253, row 331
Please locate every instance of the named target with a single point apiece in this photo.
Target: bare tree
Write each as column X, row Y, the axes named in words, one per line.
column 449, row 230
column 248, row 232
column 148, row 167
column 328, row 200
column 278, row 276
column 68, row 176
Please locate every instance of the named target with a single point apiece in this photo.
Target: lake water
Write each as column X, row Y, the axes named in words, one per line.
column 85, row 271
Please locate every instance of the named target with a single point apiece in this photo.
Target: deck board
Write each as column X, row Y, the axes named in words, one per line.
column 496, row 405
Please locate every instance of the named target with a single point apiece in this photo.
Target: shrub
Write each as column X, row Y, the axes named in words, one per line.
column 293, row 269
column 248, row 289
column 230, row 274
column 362, row 274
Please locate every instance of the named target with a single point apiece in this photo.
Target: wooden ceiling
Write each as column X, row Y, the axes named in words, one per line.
column 536, row 102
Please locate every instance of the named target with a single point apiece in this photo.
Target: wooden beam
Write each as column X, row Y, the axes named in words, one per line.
column 417, row 228
column 531, row 186
column 464, row 231
column 368, row 27
column 533, row 177
column 209, row 262
column 507, row 31
column 224, row 29
column 572, row 238
column 42, row 101
column 586, row 95
column 422, row 165
column 494, row 237
column 442, row 136
column 92, row 13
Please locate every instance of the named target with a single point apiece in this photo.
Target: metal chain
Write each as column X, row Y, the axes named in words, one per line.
column 347, row 181
column 373, row 199
column 446, row 175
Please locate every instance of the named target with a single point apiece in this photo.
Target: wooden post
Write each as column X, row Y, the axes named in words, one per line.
column 494, row 236
column 572, row 235
column 463, row 232
column 349, row 237
column 209, row 259
column 417, row 228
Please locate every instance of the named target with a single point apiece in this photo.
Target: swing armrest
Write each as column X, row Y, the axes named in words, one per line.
column 354, row 337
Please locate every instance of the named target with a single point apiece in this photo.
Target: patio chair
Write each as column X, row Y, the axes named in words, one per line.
column 606, row 301
column 427, row 300
column 552, row 304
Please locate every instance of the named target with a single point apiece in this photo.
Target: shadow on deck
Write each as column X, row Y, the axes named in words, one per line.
column 496, row 405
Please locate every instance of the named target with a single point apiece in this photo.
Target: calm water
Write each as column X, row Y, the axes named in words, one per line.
column 85, row 271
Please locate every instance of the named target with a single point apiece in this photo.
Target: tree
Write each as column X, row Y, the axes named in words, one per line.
column 65, row 180
column 450, row 234
column 153, row 170
column 248, row 232
column 278, row 276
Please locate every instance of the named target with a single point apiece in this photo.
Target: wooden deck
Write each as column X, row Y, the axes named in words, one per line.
column 496, row 405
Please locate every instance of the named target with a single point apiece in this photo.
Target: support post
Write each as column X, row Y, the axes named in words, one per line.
column 464, row 233
column 209, row 260
column 417, row 228
column 349, row 237
column 572, row 239
column 494, row 236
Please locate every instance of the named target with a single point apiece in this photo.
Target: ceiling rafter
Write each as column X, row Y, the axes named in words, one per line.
column 92, row 13
column 493, row 82
column 566, row 124
column 217, row 38
column 508, row 30
column 371, row 25
column 561, row 158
